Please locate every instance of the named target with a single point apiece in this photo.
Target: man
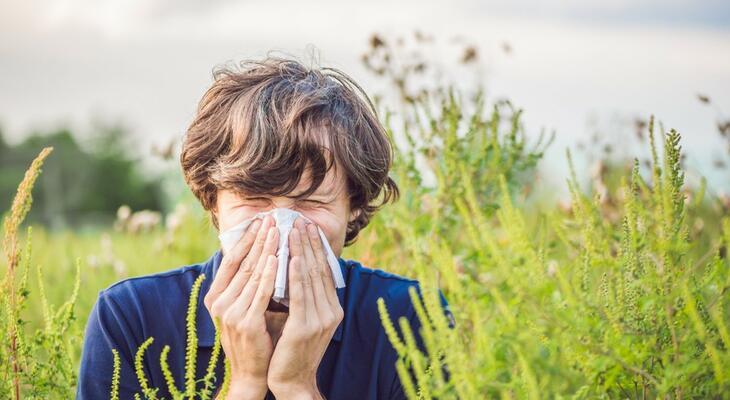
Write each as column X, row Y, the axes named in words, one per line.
column 270, row 134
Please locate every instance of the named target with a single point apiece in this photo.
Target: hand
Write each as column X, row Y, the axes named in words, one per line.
column 314, row 313
column 237, row 300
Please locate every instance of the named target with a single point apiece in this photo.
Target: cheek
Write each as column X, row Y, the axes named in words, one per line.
column 333, row 226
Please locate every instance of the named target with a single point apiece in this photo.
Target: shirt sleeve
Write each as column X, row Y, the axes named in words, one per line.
column 397, row 392
column 106, row 329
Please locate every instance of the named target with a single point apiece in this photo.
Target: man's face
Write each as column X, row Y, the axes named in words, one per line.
column 328, row 207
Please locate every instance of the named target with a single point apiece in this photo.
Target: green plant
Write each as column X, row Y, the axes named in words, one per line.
column 191, row 383
column 39, row 365
column 579, row 306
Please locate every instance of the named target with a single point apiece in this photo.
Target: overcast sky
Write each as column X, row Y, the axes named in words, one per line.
column 576, row 66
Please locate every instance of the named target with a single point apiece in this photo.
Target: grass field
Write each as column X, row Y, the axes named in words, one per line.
column 620, row 294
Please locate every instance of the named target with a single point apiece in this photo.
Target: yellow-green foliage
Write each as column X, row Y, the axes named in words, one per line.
column 169, row 380
column 624, row 296
column 191, row 383
column 139, row 369
column 34, row 363
column 604, row 301
column 117, row 370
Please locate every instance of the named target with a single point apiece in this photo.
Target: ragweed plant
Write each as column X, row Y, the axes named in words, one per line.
column 192, row 390
column 579, row 305
column 39, row 364
column 446, row 147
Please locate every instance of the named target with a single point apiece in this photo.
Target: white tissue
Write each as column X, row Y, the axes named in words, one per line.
column 284, row 218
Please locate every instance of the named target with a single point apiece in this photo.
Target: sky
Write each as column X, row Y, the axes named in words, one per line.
column 578, row 68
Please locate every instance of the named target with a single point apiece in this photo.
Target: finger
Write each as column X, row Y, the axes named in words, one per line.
column 253, row 256
column 326, row 274
column 242, row 303
column 319, row 296
column 297, row 307
column 266, row 287
column 270, row 247
column 310, row 305
column 317, row 248
column 317, row 274
column 242, row 277
column 244, row 271
column 295, row 243
column 311, row 261
column 231, row 262
column 314, row 270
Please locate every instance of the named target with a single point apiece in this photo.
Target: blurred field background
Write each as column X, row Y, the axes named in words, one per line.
column 554, row 284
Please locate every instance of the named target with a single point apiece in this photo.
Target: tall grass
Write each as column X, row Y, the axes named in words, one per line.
column 592, row 303
column 40, row 364
column 618, row 298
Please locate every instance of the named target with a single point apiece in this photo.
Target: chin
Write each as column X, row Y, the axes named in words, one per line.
column 277, row 307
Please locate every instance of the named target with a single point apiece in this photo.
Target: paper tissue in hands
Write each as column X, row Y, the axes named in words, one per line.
column 284, row 218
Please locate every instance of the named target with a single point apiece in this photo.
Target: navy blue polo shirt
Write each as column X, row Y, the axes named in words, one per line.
column 359, row 362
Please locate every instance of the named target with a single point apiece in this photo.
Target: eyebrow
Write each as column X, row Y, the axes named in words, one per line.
column 327, row 194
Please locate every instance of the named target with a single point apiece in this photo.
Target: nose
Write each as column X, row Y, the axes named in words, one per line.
column 284, row 202
column 300, row 221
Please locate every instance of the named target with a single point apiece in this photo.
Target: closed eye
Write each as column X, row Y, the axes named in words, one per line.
column 307, row 201
column 255, row 199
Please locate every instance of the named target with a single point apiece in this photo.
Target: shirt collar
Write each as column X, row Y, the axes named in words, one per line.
column 204, row 323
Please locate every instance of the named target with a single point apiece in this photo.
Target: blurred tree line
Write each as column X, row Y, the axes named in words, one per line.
column 82, row 184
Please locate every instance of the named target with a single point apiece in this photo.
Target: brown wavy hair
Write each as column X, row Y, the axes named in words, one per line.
column 262, row 122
